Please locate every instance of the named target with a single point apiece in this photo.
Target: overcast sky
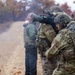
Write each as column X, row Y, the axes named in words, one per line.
column 70, row 3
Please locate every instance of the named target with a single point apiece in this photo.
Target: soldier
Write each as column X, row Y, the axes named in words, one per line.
column 46, row 34
column 63, row 46
column 30, row 33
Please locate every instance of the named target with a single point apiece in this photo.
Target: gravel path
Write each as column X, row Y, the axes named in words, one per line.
column 12, row 52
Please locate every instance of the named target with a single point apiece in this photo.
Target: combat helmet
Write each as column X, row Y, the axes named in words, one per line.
column 56, row 10
column 62, row 19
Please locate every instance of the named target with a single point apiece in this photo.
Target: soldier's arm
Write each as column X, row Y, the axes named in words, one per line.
column 57, row 44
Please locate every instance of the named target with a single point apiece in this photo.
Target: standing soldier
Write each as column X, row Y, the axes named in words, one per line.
column 46, row 34
column 30, row 33
column 63, row 46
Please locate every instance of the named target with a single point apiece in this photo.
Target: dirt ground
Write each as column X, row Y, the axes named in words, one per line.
column 12, row 52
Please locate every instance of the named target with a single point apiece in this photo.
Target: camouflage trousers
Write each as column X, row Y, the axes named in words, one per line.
column 62, row 71
column 48, row 66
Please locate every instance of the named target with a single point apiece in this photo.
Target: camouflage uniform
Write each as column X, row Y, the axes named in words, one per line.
column 46, row 34
column 63, row 48
column 45, row 37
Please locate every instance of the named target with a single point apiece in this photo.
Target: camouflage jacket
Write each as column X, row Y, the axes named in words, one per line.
column 46, row 34
column 46, row 31
column 63, row 44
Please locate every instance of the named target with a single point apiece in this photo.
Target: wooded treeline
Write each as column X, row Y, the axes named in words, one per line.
column 13, row 10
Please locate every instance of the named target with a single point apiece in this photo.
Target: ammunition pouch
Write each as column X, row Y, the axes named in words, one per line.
column 42, row 44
